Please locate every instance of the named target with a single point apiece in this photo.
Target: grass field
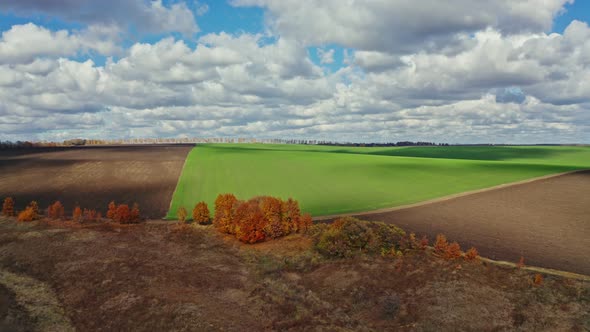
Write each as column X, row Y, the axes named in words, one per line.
column 330, row 180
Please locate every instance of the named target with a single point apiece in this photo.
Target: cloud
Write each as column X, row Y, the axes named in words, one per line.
column 473, row 77
column 146, row 16
column 403, row 26
column 25, row 43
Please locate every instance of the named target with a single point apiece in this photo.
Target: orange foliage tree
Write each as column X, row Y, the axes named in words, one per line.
column 112, row 211
column 223, row 213
column 8, row 207
column 123, row 214
column 250, row 222
column 26, row 215
column 35, row 209
column 273, row 217
column 259, row 218
column 453, row 251
column 201, row 213
column 56, row 210
column 77, row 214
column 441, row 244
column 471, row 254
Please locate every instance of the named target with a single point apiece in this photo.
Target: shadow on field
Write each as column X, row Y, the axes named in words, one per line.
column 488, row 153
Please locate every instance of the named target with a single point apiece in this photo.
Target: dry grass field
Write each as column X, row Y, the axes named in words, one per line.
column 156, row 276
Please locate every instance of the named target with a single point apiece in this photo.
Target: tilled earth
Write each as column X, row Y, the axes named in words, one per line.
column 94, row 176
column 547, row 222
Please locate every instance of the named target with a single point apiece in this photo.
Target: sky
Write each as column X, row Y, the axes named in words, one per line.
column 458, row 71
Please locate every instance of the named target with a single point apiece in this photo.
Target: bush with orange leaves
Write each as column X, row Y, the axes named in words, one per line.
column 8, row 207
column 223, row 213
column 201, row 214
column 122, row 213
column 446, row 250
column 538, row 280
column 35, row 209
column 26, row 215
column 30, row 213
column 471, row 254
column 112, row 210
column 259, row 218
column 250, row 222
column 441, row 244
column 56, row 210
column 77, row 214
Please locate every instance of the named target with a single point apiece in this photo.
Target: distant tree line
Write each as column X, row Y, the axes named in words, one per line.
column 4, row 145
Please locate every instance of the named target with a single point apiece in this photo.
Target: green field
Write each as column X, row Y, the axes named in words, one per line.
column 330, row 180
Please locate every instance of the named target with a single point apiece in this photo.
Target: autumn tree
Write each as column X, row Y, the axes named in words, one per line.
column 201, row 214
column 112, row 211
column 305, row 222
column 35, row 209
column 471, row 254
column 223, row 213
column 271, row 209
column 123, row 214
column 291, row 216
column 250, row 222
column 453, row 251
column 181, row 214
column 77, row 214
column 441, row 244
column 26, row 215
column 8, row 207
column 56, row 210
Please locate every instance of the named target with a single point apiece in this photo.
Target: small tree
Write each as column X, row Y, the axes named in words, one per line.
column 201, row 213
column 453, row 251
column 77, row 214
column 305, row 222
column 181, row 214
column 26, row 215
column 35, row 209
column 8, row 207
column 56, row 210
column 471, row 254
column 441, row 244
column 123, row 214
column 223, row 213
column 112, row 211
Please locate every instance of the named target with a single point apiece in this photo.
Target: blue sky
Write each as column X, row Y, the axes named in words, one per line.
column 380, row 70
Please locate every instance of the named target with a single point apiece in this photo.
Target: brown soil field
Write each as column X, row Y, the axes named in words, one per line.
column 93, row 176
column 547, row 222
column 153, row 276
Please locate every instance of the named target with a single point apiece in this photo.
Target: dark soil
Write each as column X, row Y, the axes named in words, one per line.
column 93, row 176
column 546, row 221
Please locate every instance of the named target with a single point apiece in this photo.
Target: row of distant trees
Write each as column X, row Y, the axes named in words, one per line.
column 4, row 145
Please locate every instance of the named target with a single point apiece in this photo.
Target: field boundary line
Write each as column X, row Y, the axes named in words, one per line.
column 548, row 271
column 446, row 198
column 178, row 181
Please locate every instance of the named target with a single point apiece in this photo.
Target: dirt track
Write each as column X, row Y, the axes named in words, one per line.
column 546, row 221
column 93, row 176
